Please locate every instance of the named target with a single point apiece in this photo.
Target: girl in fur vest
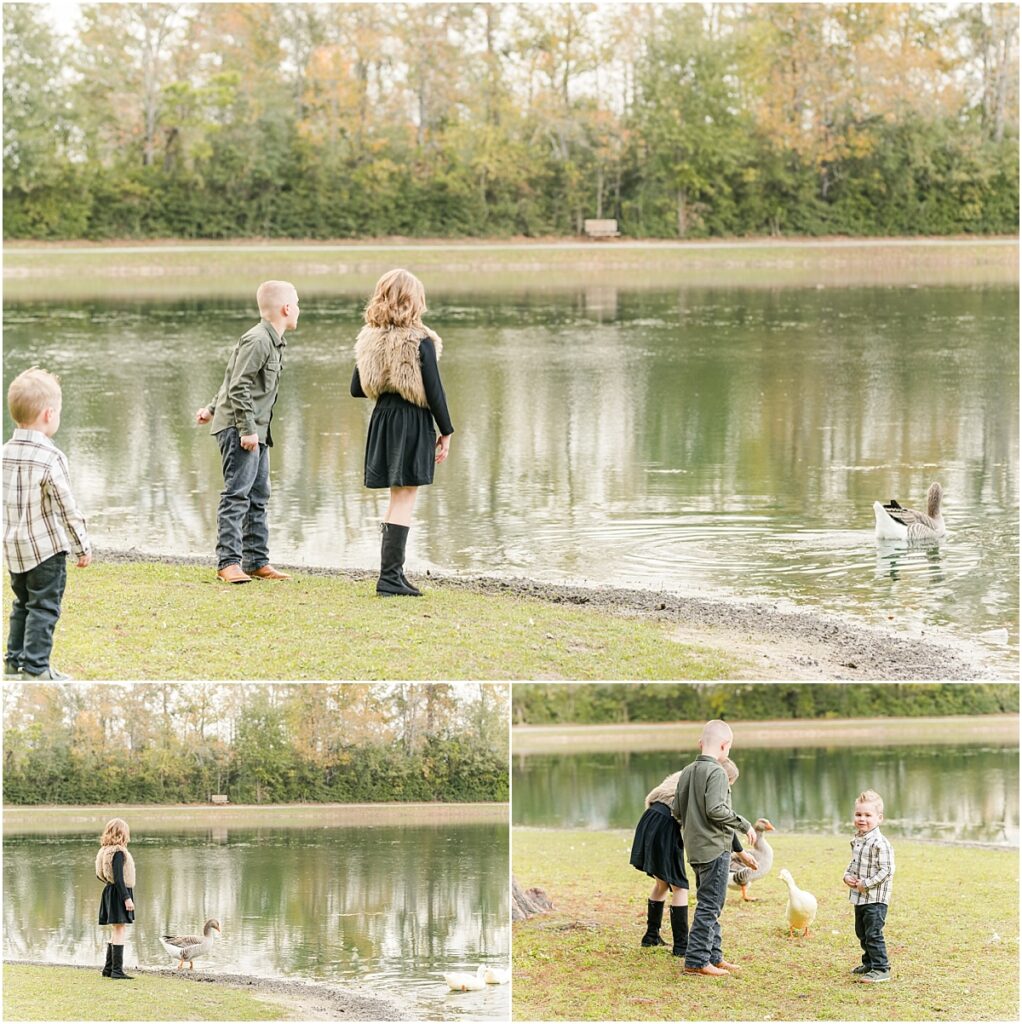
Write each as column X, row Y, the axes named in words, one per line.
column 114, row 865
column 657, row 849
column 396, row 364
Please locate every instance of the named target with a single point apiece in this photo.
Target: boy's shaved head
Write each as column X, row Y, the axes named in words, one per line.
column 273, row 295
column 716, row 732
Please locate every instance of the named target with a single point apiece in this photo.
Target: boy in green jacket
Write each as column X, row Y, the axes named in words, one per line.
column 702, row 804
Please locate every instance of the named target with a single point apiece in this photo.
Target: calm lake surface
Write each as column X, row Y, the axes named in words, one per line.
column 949, row 793
column 710, row 441
column 381, row 908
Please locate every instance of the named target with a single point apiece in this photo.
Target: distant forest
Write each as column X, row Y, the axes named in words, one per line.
column 545, row 703
column 473, row 119
column 265, row 743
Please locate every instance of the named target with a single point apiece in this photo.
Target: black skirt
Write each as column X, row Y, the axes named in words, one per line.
column 657, row 848
column 111, row 907
column 401, row 446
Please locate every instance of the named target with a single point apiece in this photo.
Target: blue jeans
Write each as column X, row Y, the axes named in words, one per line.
column 243, row 537
column 34, row 614
column 869, row 930
column 704, row 942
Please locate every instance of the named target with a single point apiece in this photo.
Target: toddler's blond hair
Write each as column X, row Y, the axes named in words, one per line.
column 871, row 796
column 30, row 393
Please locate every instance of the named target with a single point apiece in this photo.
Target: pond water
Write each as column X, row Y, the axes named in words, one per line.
column 709, row 441
column 384, row 909
column 953, row 793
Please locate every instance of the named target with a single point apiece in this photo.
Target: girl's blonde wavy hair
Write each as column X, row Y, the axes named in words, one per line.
column 116, row 833
column 399, row 300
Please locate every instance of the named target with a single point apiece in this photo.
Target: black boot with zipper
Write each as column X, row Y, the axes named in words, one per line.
column 117, row 971
column 654, row 916
column 109, row 965
column 392, row 582
column 679, row 929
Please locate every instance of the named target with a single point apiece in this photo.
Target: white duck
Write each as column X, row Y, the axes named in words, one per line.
column 462, row 981
column 801, row 909
column 896, row 523
column 740, row 876
column 187, row 947
column 496, row 976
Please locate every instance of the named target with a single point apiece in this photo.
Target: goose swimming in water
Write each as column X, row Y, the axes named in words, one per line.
column 897, row 523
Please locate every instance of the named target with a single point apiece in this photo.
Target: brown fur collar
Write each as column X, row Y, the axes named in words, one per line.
column 388, row 360
column 664, row 793
column 105, row 865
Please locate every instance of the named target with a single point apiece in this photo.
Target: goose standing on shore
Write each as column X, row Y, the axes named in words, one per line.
column 893, row 522
column 185, row 948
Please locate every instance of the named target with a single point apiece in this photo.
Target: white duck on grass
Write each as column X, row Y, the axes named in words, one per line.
column 739, row 875
column 893, row 522
column 185, row 948
column 801, row 909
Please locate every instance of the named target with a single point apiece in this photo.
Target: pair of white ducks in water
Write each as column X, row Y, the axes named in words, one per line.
column 462, row 981
column 894, row 522
column 186, row 948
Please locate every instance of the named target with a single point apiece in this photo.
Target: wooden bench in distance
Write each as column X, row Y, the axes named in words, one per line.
column 601, row 228
column 218, row 798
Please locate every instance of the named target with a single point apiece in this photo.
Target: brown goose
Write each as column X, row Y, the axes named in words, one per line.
column 894, row 522
column 187, row 947
column 740, row 876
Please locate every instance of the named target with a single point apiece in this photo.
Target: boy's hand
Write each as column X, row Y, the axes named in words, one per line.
column 860, row 887
column 203, row 416
column 443, row 446
column 250, row 442
column 851, row 881
column 751, row 836
column 748, row 860
column 84, row 561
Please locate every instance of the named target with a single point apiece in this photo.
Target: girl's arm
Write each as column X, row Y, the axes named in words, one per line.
column 118, row 866
column 356, row 386
column 434, row 388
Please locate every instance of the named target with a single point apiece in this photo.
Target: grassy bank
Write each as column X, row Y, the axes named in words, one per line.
column 171, row 271
column 67, row 993
column 155, row 621
column 551, row 739
column 952, row 935
column 176, row 817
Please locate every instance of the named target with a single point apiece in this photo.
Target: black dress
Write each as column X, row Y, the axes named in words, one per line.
column 401, row 446
column 111, row 903
column 657, row 848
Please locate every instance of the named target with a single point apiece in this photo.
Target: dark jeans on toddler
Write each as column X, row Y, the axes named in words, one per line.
column 869, row 930
column 243, row 537
column 704, row 940
column 34, row 614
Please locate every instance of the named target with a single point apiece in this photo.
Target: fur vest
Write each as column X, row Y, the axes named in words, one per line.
column 105, row 865
column 664, row 793
column 388, row 360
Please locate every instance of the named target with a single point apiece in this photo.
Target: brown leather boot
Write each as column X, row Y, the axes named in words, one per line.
column 730, row 968
column 709, row 970
column 233, row 574
column 267, row 572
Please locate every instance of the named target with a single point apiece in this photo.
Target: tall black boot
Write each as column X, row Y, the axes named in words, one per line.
column 117, row 971
column 393, row 539
column 679, row 928
column 654, row 915
column 108, row 966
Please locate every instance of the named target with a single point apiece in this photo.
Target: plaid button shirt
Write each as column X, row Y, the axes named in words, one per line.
column 41, row 517
column 873, row 864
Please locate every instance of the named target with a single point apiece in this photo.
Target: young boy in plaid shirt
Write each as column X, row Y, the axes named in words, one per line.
column 870, row 878
column 41, row 525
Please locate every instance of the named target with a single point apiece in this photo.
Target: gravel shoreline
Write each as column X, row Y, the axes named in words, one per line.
column 776, row 642
column 309, row 1000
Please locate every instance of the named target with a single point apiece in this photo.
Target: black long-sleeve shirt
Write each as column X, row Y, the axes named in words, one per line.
column 431, row 383
column 118, row 869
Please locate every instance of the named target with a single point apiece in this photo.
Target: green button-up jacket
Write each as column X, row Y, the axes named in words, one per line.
column 247, row 396
column 702, row 803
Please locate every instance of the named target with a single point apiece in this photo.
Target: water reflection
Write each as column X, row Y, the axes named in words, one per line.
column 703, row 440
column 950, row 793
column 384, row 907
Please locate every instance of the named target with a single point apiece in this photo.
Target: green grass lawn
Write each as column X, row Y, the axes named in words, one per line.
column 154, row 621
column 952, row 936
column 67, row 993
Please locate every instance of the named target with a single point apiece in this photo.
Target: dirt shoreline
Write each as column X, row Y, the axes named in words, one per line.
column 309, row 1000
column 552, row 739
column 777, row 642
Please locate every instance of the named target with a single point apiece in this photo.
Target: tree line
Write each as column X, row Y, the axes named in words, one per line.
column 474, row 119
column 265, row 743
column 544, row 703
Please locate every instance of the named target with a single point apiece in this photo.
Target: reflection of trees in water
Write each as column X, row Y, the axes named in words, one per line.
column 941, row 792
column 324, row 903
